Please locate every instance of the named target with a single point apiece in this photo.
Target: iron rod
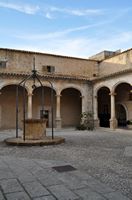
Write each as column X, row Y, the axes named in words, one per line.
column 17, row 111
column 24, row 112
column 39, row 80
column 42, row 93
column 42, row 96
column 25, row 79
column 52, row 109
column 52, row 113
column 33, row 63
column 34, row 76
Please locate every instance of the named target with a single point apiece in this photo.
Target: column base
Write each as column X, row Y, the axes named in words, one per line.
column 113, row 123
column 96, row 123
column 58, row 123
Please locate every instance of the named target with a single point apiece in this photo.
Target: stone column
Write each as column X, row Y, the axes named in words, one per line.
column 29, row 114
column 95, row 106
column 0, row 112
column 113, row 120
column 83, row 104
column 58, row 115
column 0, row 116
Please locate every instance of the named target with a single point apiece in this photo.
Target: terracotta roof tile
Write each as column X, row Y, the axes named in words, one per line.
column 54, row 76
column 96, row 79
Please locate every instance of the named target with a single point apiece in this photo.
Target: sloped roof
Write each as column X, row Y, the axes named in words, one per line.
column 47, row 76
column 96, row 79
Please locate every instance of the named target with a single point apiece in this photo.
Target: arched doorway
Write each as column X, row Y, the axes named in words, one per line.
column 104, row 106
column 47, row 104
column 70, row 107
column 8, row 107
column 121, row 115
column 123, row 101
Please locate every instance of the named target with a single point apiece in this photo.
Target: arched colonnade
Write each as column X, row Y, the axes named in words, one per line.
column 67, row 104
column 112, row 104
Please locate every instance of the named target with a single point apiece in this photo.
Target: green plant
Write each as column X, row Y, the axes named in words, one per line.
column 129, row 122
column 86, row 122
column 81, row 127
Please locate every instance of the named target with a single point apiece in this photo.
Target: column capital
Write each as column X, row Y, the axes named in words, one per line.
column 58, row 95
column 30, row 94
column 112, row 93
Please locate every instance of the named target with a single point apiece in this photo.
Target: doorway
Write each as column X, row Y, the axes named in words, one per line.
column 121, row 115
column 104, row 107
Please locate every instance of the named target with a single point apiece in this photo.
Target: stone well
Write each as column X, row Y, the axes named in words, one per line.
column 35, row 129
column 35, row 135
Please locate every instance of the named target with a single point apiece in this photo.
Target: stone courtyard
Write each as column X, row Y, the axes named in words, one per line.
column 102, row 160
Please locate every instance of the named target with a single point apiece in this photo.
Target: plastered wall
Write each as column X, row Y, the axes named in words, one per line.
column 22, row 61
column 116, row 63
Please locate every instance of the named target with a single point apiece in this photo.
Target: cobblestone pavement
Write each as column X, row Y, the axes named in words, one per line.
column 103, row 162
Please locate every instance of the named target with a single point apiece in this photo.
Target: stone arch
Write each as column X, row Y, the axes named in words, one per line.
column 8, row 106
column 123, row 97
column 48, row 85
column 99, row 87
column 74, row 87
column 104, row 106
column 70, row 107
column 117, row 84
column 47, row 103
column 16, row 83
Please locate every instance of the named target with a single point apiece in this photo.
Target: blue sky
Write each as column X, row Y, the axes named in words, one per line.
column 78, row 28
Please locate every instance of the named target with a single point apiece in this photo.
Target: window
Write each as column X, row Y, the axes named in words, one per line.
column 49, row 69
column 2, row 64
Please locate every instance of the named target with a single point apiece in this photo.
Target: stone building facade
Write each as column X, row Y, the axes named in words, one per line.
column 100, row 85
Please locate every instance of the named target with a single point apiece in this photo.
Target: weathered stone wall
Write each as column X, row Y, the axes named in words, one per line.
column 70, row 107
column 8, row 107
column 22, row 61
column 116, row 63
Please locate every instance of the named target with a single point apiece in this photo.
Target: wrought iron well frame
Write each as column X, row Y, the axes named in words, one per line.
column 34, row 76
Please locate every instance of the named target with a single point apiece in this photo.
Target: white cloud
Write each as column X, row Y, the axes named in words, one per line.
column 80, row 47
column 48, row 15
column 48, row 10
column 85, row 47
column 57, row 34
column 28, row 9
column 77, row 12
column 61, row 42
